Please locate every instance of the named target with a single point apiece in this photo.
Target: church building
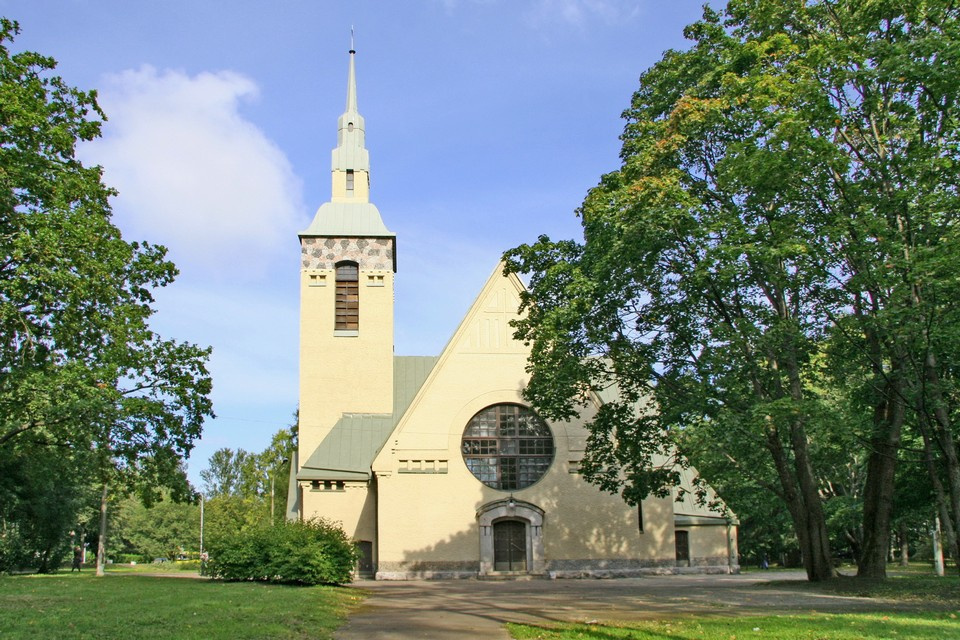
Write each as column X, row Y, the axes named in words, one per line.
column 436, row 465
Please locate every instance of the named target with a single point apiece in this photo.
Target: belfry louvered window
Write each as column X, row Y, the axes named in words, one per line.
column 348, row 297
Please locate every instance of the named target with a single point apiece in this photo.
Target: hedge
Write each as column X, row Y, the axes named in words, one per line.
column 311, row 552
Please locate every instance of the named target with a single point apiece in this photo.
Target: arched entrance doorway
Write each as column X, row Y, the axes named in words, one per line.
column 511, row 537
column 510, row 545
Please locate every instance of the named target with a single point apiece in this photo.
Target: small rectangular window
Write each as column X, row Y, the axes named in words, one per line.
column 349, row 180
column 347, row 307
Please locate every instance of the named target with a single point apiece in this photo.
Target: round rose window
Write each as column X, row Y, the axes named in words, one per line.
column 507, row 447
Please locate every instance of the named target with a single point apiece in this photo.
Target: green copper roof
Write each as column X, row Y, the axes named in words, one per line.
column 409, row 374
column 349, row 449
column 293, row 494
column 348, row 219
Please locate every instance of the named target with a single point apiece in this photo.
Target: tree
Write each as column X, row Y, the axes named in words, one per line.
column 232, row 473
column 165, row 529
column 41, row 496
column 80, row 368
column 785, row 196
column 252, row 477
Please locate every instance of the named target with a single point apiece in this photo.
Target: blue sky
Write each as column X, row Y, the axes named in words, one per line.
column 486, row 121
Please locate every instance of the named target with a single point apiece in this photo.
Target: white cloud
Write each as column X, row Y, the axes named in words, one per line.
column 193, row 173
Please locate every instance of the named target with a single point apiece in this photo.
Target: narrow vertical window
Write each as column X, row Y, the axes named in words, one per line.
column 348, row 297
column 349, row 180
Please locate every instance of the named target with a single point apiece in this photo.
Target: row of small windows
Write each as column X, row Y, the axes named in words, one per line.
column 327, row 485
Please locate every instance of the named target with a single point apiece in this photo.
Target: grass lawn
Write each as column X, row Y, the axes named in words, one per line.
column 69, row 606
column 936, row 600
column 904, row 587
column 932, row 626
column 146, row 567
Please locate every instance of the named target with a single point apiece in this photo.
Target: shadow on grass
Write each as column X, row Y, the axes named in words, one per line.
column 928, row 590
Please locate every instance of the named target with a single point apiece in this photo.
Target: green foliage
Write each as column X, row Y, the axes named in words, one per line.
column 164, row 530
column 773, row 266
column 88, row 393
column 38, row 507
column 232, row 473
column 309, row 553
column 239, row 483
column 225, row 516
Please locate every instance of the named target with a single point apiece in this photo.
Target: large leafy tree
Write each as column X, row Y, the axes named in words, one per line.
column 232, row 473
column 164, row 529
column 787, row 197
column 80, row 368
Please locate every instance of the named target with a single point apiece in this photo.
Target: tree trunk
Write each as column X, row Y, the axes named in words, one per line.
column 102, row 542
column 904, row 546
column 807, row 515
column 939, row 493
column 881, row 467
column 943, row 431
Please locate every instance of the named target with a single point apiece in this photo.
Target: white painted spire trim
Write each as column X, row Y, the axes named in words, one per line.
column 349, row 212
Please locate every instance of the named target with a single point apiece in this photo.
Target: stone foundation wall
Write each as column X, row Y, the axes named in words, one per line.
column 424, row 570
column 557, row 569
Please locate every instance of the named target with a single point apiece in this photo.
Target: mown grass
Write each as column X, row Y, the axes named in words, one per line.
column 934, row 604
column 69, row 606
column 146, row 567
column 916, row 588
column 859, row 626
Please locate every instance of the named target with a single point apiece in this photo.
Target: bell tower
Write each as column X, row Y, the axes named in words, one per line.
column 348, row 262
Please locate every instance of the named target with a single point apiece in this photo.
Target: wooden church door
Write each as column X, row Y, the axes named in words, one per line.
column 509, row 546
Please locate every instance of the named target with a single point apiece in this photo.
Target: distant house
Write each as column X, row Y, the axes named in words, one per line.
column 436, row 465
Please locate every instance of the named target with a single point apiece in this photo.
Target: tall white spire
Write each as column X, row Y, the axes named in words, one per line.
column 351, row 154
column 349, row 212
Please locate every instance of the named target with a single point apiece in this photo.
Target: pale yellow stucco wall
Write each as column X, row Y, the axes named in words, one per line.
column 343, row 373
column 422, row 509
column 430, row 520
column 361, row 187
column 709, row 544
column 354, row 508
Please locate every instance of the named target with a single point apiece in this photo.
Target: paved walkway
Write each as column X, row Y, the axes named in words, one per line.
column 458, row 609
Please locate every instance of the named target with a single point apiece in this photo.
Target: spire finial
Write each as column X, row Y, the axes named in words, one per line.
column 351, row 80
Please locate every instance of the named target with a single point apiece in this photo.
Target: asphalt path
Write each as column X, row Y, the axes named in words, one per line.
column 458, row 609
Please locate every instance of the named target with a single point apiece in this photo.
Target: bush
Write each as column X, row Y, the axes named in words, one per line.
column 312, row 552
